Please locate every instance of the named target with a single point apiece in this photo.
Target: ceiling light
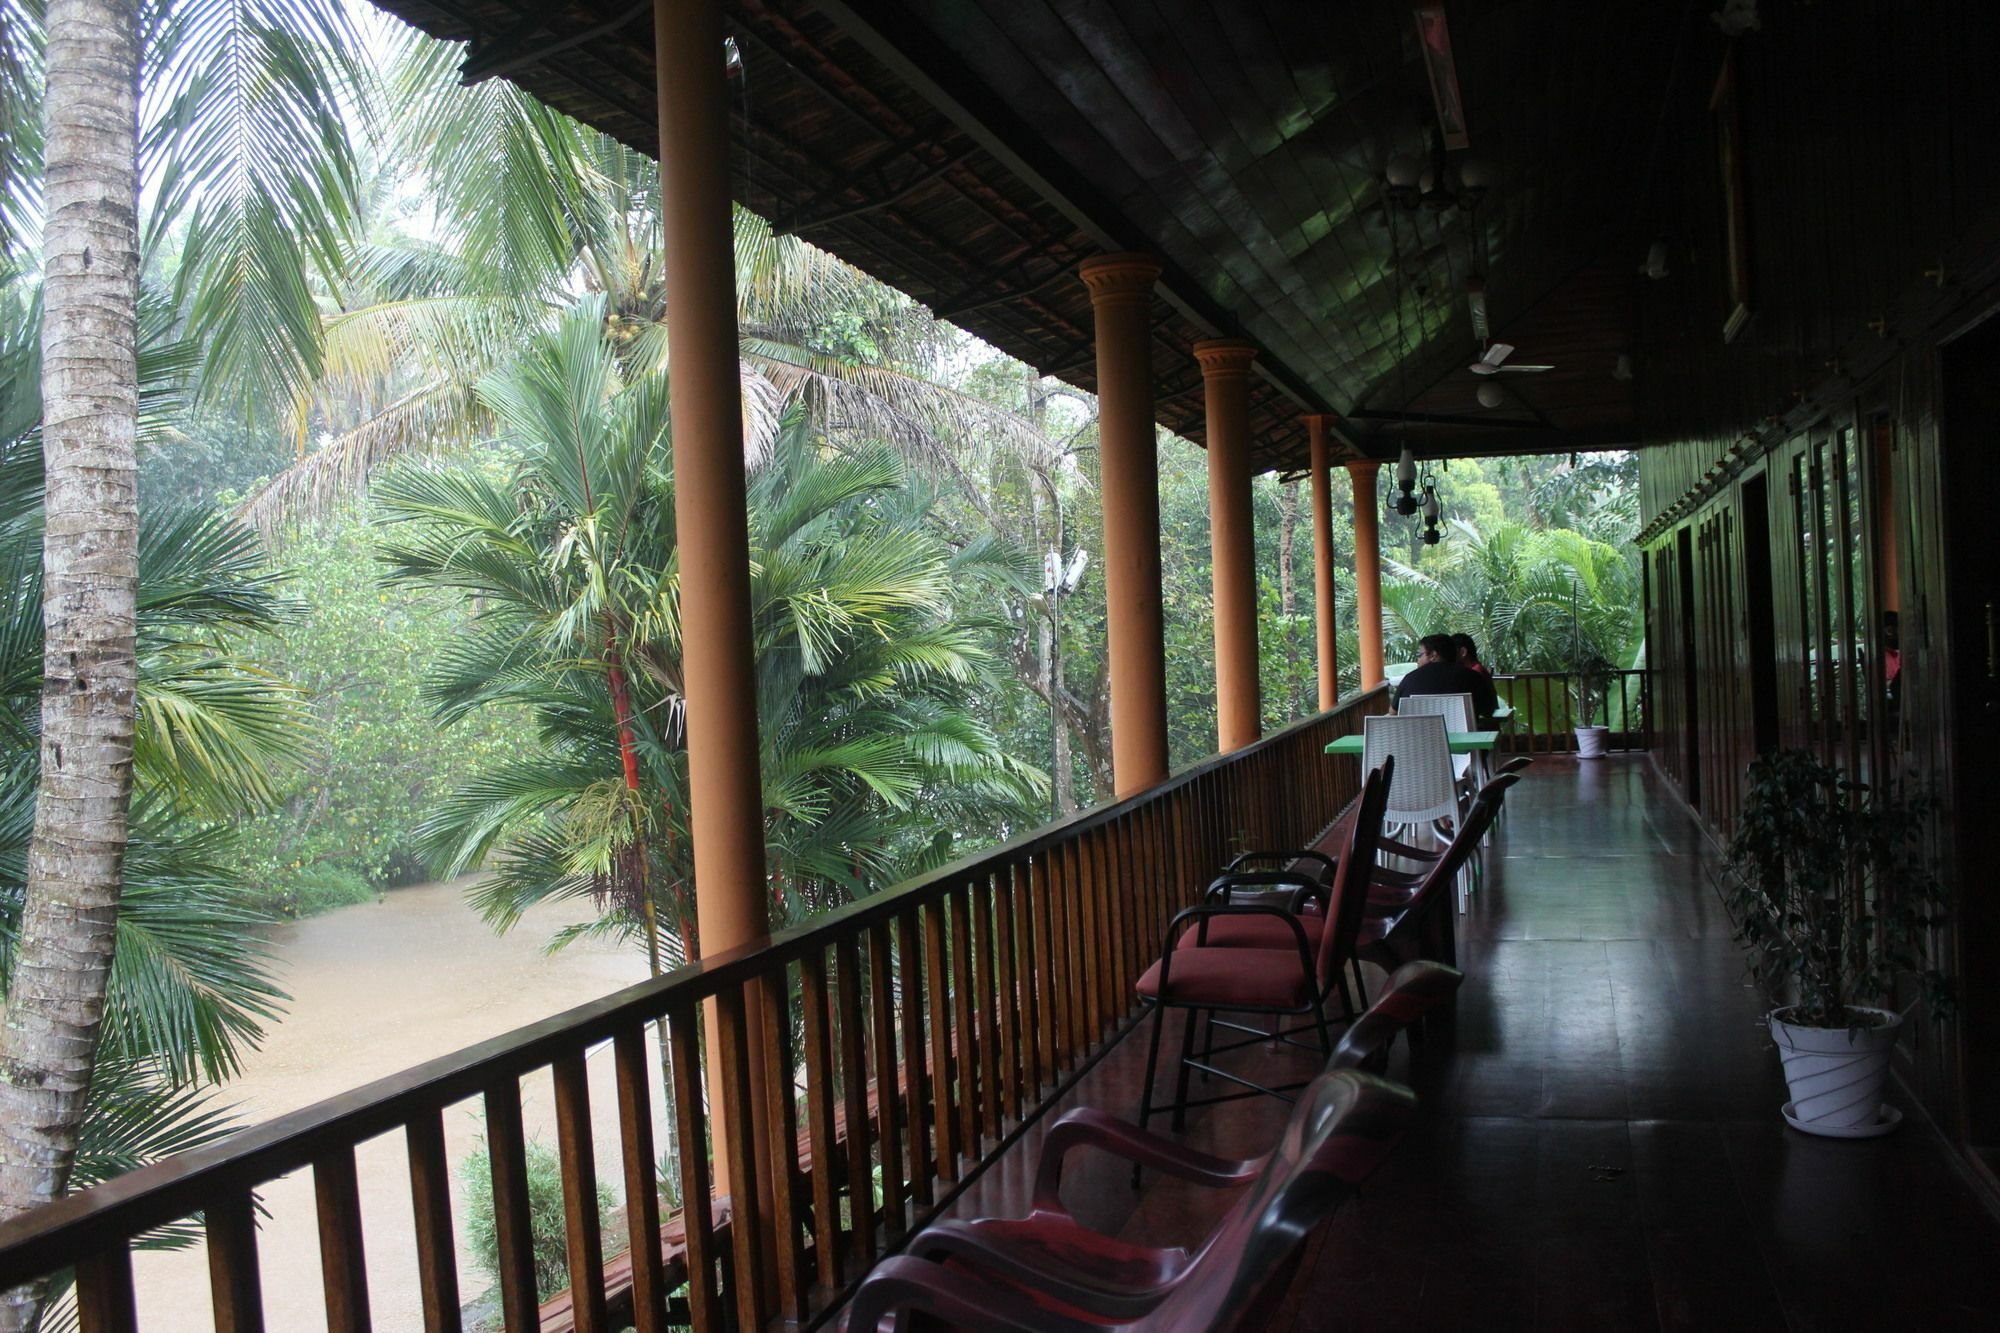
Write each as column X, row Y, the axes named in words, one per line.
column 1491, row 394
column 1404, row 170
column 1655, row 266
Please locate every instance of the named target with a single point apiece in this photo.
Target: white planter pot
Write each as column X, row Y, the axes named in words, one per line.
column 1590, row 742
column 1836, row 1074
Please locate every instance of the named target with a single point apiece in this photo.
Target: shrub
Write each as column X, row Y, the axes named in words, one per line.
column 545, row 1216
column 321, row 888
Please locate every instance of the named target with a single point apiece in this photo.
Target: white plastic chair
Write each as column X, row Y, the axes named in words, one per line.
column 1458, row 714
column 1425, row 789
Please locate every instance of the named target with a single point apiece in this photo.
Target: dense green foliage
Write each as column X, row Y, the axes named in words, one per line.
column 345, row 821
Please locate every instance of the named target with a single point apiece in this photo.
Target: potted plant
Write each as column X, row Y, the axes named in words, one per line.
column 1834, row 894
column 1593, row 680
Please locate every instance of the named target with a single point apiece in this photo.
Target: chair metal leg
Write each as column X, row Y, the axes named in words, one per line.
column 1181, row 1079
column 1319, row 1020
column 1360, row 986
column 1152, row 1066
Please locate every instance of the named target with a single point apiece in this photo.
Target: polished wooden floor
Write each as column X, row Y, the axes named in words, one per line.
column 1600, row 1146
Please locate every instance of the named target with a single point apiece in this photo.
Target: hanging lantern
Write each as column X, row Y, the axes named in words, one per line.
column 1406, row 482
column 1431, row 536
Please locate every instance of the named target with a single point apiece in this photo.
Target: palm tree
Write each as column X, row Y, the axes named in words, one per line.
column 865, row 655
column 529, row 210
column 188, row 989
column 864, row 661
column 90, row 378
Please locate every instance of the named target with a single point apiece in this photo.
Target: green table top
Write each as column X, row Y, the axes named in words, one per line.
column 1462, row 742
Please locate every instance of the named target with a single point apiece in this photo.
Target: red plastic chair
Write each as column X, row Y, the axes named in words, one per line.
column 1344, row 1126
column 1110, row 1278
column 1295, row 979
column 1406, row 921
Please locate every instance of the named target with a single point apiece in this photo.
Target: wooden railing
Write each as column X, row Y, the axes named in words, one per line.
column 936, row 1019
column 1547, row 708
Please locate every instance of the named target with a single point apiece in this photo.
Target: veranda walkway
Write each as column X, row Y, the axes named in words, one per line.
column 1600, row 1146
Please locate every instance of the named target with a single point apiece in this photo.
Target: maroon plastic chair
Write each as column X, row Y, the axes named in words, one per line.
column 1344, row 1126
column 1110, row 1278
column 1296, row 979
column 1409, row 921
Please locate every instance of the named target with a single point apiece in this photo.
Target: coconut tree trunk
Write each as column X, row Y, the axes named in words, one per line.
column 90, row 405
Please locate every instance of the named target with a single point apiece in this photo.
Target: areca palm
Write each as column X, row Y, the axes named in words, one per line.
column 1538, row 600
column 863, row 663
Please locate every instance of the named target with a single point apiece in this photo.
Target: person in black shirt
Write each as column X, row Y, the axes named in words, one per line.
column 1438, row 672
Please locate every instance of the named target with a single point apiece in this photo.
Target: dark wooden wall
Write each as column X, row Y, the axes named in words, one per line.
column 1871, row 131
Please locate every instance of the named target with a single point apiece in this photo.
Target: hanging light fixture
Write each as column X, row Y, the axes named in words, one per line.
column 1431, row 536
column 1490, row 394
column 1406, row 482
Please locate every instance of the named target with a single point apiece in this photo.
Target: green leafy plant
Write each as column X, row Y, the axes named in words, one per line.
column 1592, row 681
column 1833, row 890
column 545, row 1215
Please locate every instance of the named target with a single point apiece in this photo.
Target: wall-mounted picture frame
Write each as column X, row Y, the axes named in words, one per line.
column 1724, row 107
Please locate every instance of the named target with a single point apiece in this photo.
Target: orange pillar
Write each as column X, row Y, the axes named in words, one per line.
column 1322, row 521
column 725, row 790
column 1368, row 570
column 1225, row 371
column 1121, row 293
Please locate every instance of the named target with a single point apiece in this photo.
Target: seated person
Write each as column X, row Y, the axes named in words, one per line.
column 1468, row 655
column 1438, row 671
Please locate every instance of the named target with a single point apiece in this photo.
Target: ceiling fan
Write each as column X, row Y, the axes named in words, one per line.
column 1493, row 363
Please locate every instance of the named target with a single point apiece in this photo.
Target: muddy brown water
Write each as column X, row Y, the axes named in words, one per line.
column 375, row 989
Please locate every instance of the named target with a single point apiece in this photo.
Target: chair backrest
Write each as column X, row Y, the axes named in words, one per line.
column 1347, row 902
column 1413, row 991
column 1517, row 764
column 1455, row 709
column 1344, row 1126
column 1426, row 783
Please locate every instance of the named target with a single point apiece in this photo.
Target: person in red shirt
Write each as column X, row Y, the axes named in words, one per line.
column 1468, row 655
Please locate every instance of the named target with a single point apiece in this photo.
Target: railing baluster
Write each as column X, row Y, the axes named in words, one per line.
column 916, row 1094
column 781, row 1139
column 731, row 1066
column 430, row 1203
column 691, row 1125
column 1087, row 927
column 1117, row 868
column 990, row 978
column 104, row 1302
column 853, row 1016
column 819, row 1119
column 944, row 1101
column 1027, row 973
column 235, row 1284
column 888, row 1091
column 1007, row 975
column 1062, row 939
column 1048, row 1019
column 343, row 1268
column 642, row 1186
column 965, row 1043
column 583, row 1243
column 507, row 1157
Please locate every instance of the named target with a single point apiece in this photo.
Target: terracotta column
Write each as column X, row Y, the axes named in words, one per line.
column 726, row 804
column 1225, row 371
column 1322, row 521
column 1121, row 293
column 1368, row 569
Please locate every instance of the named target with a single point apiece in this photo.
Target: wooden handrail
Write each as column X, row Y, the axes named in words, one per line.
column 985, row 982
